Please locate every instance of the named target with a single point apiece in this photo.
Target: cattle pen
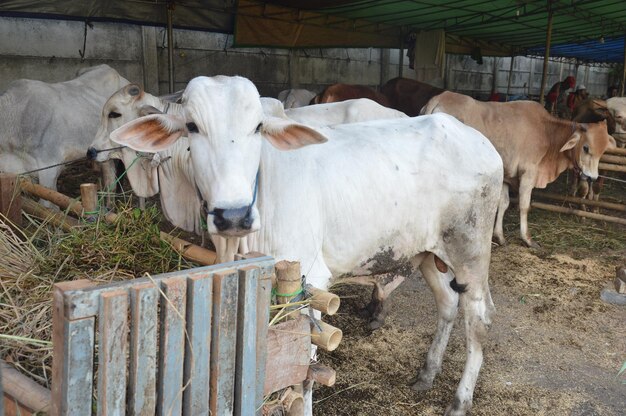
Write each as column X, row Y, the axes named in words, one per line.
column 195, row 341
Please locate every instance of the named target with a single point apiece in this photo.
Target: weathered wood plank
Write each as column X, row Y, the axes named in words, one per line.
column 171, row 346
column 264, row 299
column 245, row 367
column 143, row 342
column 10, row 198
column 113, row 343
column 84, row 302
column 288, row 354
column 72, row 363
column 198, row 345
column 224, row 337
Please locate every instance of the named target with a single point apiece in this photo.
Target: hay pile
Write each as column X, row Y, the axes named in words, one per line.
column 32, row 261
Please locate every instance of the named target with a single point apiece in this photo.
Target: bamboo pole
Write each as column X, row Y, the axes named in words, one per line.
column 575, row 200
column 611, row 167
column 328, row 338
column 58, row 219
column 546, row 56
column 619, row 160
column 89, row 198
column 508, row 85
column 288, row 280
column 322, row 374
column 293, row 402
column 62, row 201
column 577, row 212
column 616, row 151
column 324, row 301
column 24, row 390
column 190, row 251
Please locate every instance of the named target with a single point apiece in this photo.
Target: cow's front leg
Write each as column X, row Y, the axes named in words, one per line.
column 378, row 308
column 525, row 190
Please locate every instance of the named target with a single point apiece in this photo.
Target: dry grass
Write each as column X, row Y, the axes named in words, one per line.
column 31, row 262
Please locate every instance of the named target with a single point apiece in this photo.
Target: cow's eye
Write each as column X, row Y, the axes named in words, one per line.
column 258, row 128
column 586, row 148
column 192, row 128
column 114, row 114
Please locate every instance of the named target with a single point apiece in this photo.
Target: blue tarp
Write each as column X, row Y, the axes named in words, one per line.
column 610, row 51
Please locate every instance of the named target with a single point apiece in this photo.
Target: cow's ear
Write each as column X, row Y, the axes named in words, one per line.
column 287, row 135
column 151, row 133
column 571, row 143
column 146, row 110
column 612, row 143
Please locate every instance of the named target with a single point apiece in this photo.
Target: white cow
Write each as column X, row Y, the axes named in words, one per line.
column 44, row 124
column 295, row 98
column 375, row 197
column 617, row 108
column 170, row 172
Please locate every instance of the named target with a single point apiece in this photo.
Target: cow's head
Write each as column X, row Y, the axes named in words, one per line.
column 226, row 125
column 127, row 104
column 587, row 144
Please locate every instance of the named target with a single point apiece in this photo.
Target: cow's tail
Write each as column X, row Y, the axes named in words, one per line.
column 430, row 107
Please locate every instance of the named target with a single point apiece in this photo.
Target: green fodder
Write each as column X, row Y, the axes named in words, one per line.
column 32, row 261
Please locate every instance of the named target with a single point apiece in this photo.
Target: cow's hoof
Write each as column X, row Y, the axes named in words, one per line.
column 376, row 323
column 457, row 408
column 421, row 385
column 499, row 240
column 532, row 244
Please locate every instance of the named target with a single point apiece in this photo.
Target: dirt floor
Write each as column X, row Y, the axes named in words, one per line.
column 554, row 347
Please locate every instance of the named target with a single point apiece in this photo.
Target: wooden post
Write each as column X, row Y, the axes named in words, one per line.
column 621, row 90
column 170, row 46
column 89, row 197
column 401, row 63
column 288, row 281
column 508, row 87
column 10, row 199
column 546, row 56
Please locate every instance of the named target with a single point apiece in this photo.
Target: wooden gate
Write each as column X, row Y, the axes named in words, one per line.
column 189, row 342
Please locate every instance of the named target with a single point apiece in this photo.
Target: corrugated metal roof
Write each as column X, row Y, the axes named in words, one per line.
column 512, row 26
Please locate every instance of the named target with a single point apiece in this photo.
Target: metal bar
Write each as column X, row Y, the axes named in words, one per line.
column 170, row 46
column 508, row 87
column 546, row 58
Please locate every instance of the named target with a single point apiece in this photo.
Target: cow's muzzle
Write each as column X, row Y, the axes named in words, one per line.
column 232, row 220
column 92, row 153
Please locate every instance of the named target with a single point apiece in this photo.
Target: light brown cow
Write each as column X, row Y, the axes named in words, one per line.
column 342, row 92
column 535, row 147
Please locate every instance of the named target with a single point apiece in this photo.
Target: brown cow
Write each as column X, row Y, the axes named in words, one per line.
column 535, row 147
column 342, row 92
column 407, row 95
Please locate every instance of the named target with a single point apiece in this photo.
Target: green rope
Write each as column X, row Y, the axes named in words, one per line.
column 112, row 187
column 287, row 295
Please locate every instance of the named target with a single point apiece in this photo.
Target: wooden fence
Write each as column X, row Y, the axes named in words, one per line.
column 204, row 330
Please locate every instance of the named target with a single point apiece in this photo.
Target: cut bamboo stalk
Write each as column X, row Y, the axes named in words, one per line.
column 288, row 280
column 616, row 151
column 322, row 374
column 619, row 160
column 577, row 212
column 58, row 219
column 611, row 167
column 24, row 390
column 190, row 251
column 324, row 301
column 89, row 198
column 62, row 201
column 293, row 403
column 576, row 200
column 275, row 409
column 328, row 338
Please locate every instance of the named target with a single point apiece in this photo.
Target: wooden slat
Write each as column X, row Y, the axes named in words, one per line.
column 143, row 341
column 84, row 303
column 245, row 367
column 171, row 347
column 264, row 298
column 30, row 394
column 224, row 337
column 12, row 407
column 198, row 345
column 72, row 359
column 113, row 343
column 288, row 354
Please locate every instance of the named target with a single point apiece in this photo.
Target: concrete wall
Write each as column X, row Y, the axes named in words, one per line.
column 49, row 50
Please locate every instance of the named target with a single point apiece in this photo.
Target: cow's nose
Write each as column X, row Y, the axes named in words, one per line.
column 238, row 218
column 92, row 153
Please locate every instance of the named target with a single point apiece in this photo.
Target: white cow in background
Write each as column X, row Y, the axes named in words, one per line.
column 170, row 173
column 374, row 197
column 617, row 108
column 43, row 124
column 295, row 98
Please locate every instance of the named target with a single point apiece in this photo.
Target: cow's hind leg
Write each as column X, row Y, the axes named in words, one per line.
column 447, row 301
column 477, row 307
column 525, row 190
column 503, row 204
